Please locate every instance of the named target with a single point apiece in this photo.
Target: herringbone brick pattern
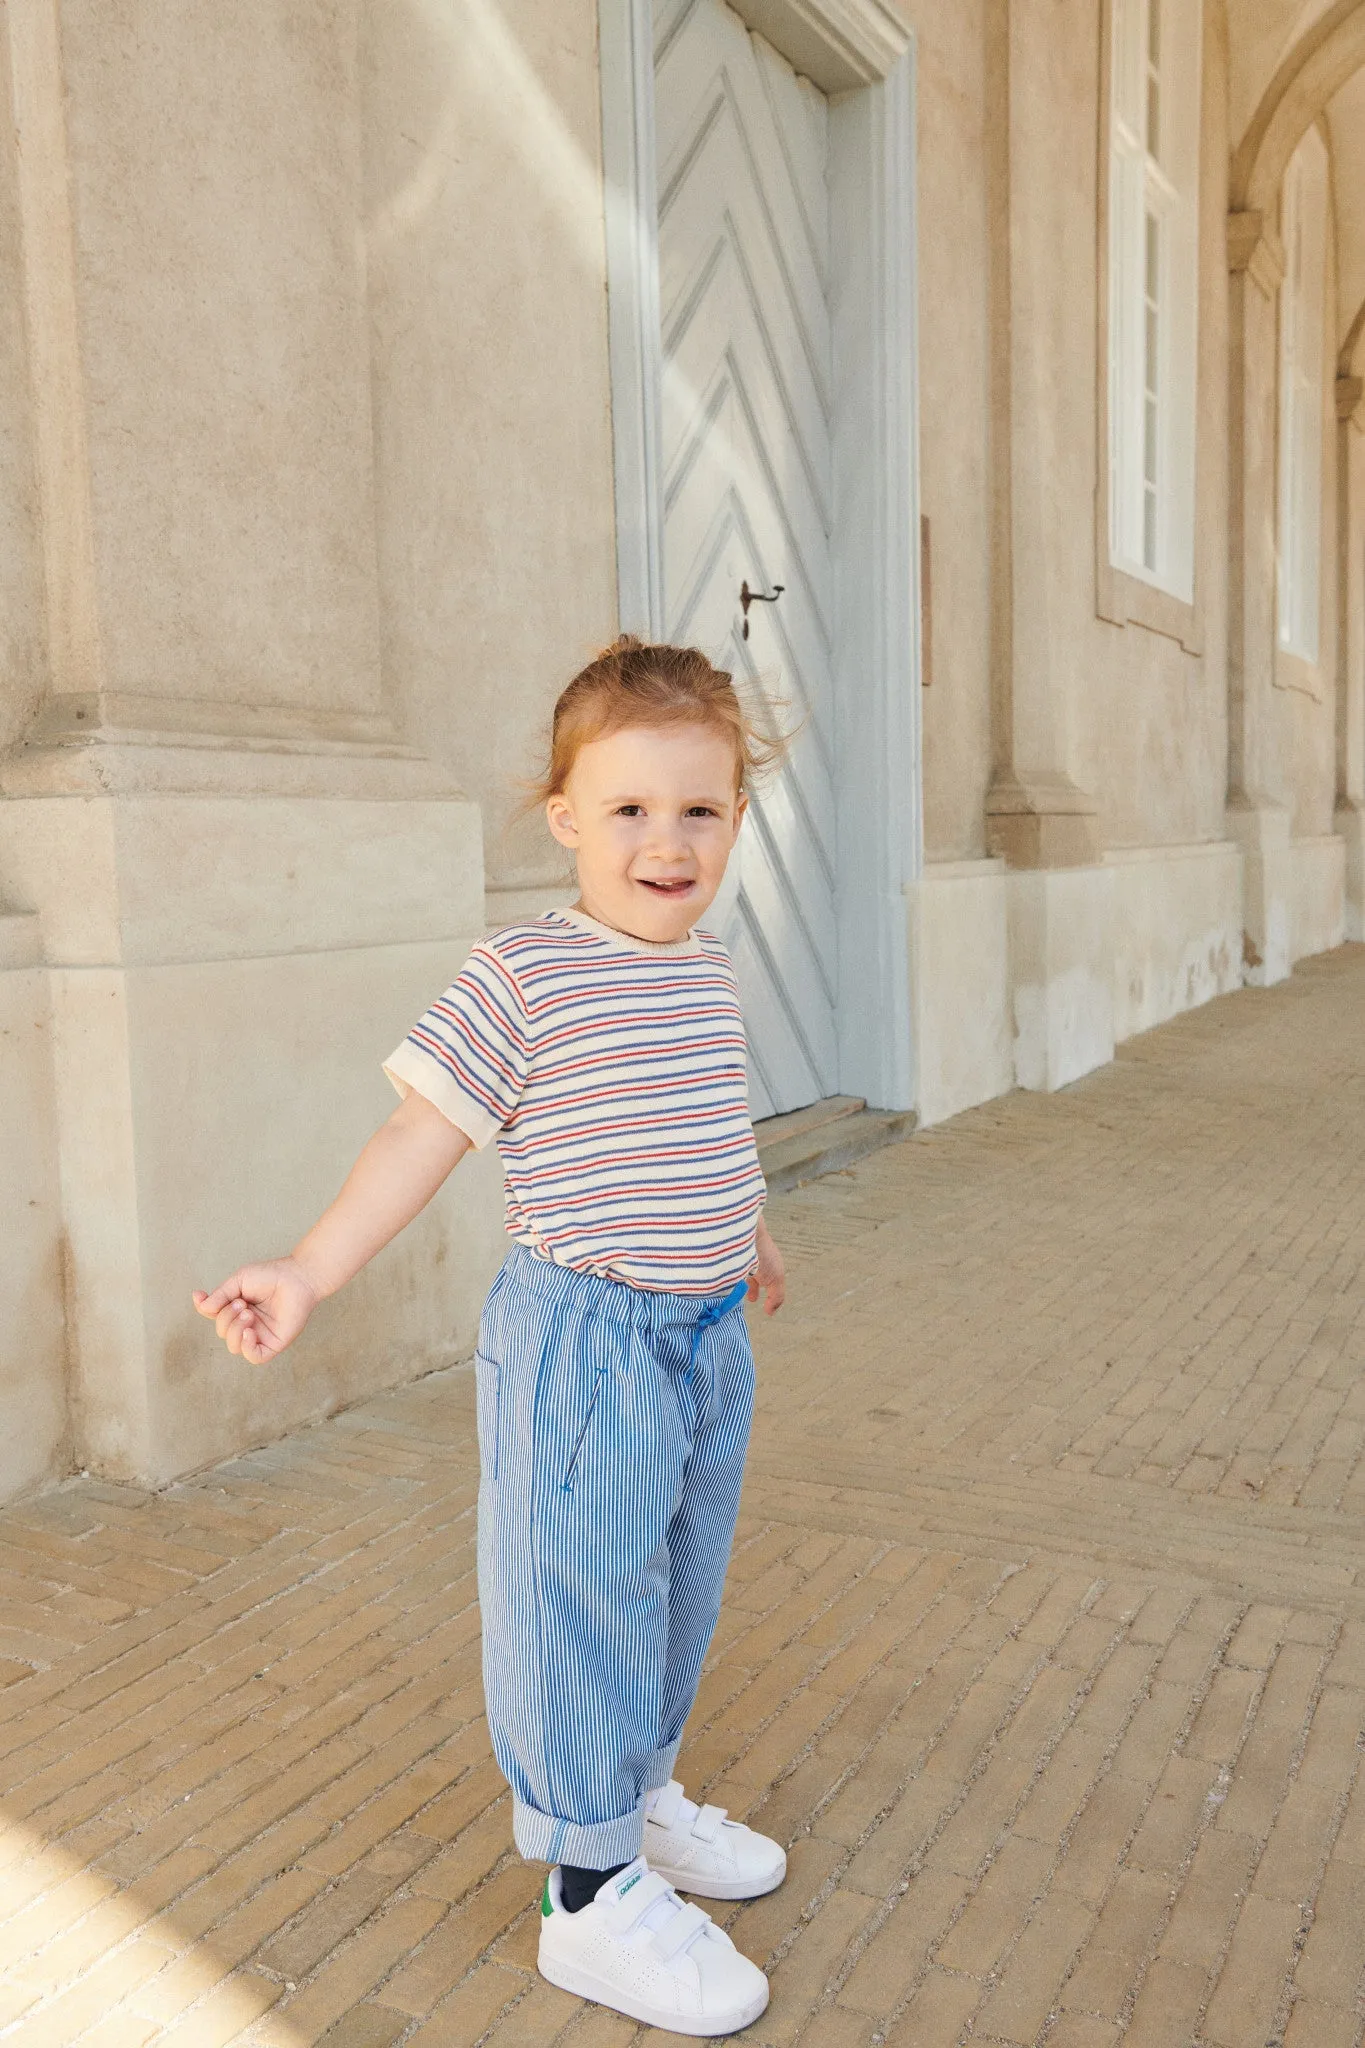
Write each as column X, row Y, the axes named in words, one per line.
column 1044, row 1646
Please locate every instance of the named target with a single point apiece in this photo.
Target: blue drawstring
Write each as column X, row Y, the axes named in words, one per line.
column 712, row 1313
column 714, row 1310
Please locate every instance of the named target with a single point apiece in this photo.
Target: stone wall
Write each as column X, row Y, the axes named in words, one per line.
column 306, row 497
column 953, row 170
column 242, row 880
column 34, row 1441
column 483, row 226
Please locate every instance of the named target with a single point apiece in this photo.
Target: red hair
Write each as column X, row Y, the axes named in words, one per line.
column 632, row 684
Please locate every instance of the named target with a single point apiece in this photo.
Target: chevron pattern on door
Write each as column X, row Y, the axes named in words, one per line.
column 743, row 269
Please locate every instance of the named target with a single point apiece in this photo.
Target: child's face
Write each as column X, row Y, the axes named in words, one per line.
column 651, row 814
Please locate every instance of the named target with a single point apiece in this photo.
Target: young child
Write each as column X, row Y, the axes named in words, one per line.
column 603, row 1048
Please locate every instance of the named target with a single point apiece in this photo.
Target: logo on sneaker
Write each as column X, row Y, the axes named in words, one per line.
column 622, row 1889
column 546, row 1909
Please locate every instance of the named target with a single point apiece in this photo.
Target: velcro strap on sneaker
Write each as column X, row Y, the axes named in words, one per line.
column 709, row 1823
column 645, row 1893
column 666, row 1807
column 680, row 1932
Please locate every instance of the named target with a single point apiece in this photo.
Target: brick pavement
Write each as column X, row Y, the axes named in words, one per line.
column 1044, row 1646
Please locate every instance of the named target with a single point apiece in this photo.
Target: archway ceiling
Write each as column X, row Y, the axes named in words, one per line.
column 1346, row 127
column 1261, row 33
column 1292, row 62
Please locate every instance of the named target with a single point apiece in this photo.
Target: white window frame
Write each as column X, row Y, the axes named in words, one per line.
column 1156, row 52
column 1303, row 398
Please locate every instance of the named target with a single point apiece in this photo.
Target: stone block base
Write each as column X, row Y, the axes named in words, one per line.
column 1317, row 904
column 1029, row 978
column 1262, row 833
column 1350, row 825
column 959, row 981
column 32, row 1341
column 1011, row 980
column 1061, row 973
column 1177, row 930
column 224, row 976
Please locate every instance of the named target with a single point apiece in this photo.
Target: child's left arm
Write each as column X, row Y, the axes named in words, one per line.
column 770, row 1274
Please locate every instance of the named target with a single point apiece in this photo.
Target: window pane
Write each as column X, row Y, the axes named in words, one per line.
column 1152, row 287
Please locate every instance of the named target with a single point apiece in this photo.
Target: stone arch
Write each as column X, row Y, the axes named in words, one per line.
column 1319, row 64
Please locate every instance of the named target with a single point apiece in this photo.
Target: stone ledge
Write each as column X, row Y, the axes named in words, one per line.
column 790, row 1158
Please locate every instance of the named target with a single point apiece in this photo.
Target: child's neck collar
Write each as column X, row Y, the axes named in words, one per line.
column 630, row 941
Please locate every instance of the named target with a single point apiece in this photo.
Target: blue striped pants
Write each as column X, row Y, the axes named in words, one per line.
column 613, row 1423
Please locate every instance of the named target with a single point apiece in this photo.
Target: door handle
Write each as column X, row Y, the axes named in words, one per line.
column 748, row 597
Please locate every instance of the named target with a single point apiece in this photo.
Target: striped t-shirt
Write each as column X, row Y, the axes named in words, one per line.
column 611, row 1071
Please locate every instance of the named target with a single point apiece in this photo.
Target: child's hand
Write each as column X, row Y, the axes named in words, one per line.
column 261, row 1309
column 770, row 1276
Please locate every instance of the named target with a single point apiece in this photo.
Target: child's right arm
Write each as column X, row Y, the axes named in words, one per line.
column 262, row 1308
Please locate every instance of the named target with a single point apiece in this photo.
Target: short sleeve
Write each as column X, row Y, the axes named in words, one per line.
column 468, row 1055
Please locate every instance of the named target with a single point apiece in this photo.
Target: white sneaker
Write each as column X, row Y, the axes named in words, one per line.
column 637, row 1948
column 697, row 1849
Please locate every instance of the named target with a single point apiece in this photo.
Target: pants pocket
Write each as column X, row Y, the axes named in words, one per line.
column 488, row 1380
column 583, row 1429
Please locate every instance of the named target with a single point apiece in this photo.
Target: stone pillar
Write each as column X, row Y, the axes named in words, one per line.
column 245, row 885
column 1037, row 816
column 198, row 332
column 1255, row 819
column 1350, row 803
column 226, row 972
column 33, row 1342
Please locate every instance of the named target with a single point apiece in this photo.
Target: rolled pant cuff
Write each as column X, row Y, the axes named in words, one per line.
column 660, row 1767
column 600, row 1845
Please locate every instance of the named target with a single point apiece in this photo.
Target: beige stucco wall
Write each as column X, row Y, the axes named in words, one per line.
column 32, row 1338
column 1262, row 33
column 338, row 334
column 220, row 291
column 954, row 418
column 483, row 215
column 1177, row 930
column 22, row 638
column 1157, row 732
column 1317, row 893
column 1137, row 718
column 233, row 933
column 1304, row 705
column 225, row 976
column 1141, row 720
column 960, row 986
column 33, row 1396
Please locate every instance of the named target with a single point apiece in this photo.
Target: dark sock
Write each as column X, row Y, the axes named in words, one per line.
column 580, row 1887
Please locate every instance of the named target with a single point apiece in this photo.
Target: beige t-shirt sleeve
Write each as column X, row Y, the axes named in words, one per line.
column 469, row 1054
